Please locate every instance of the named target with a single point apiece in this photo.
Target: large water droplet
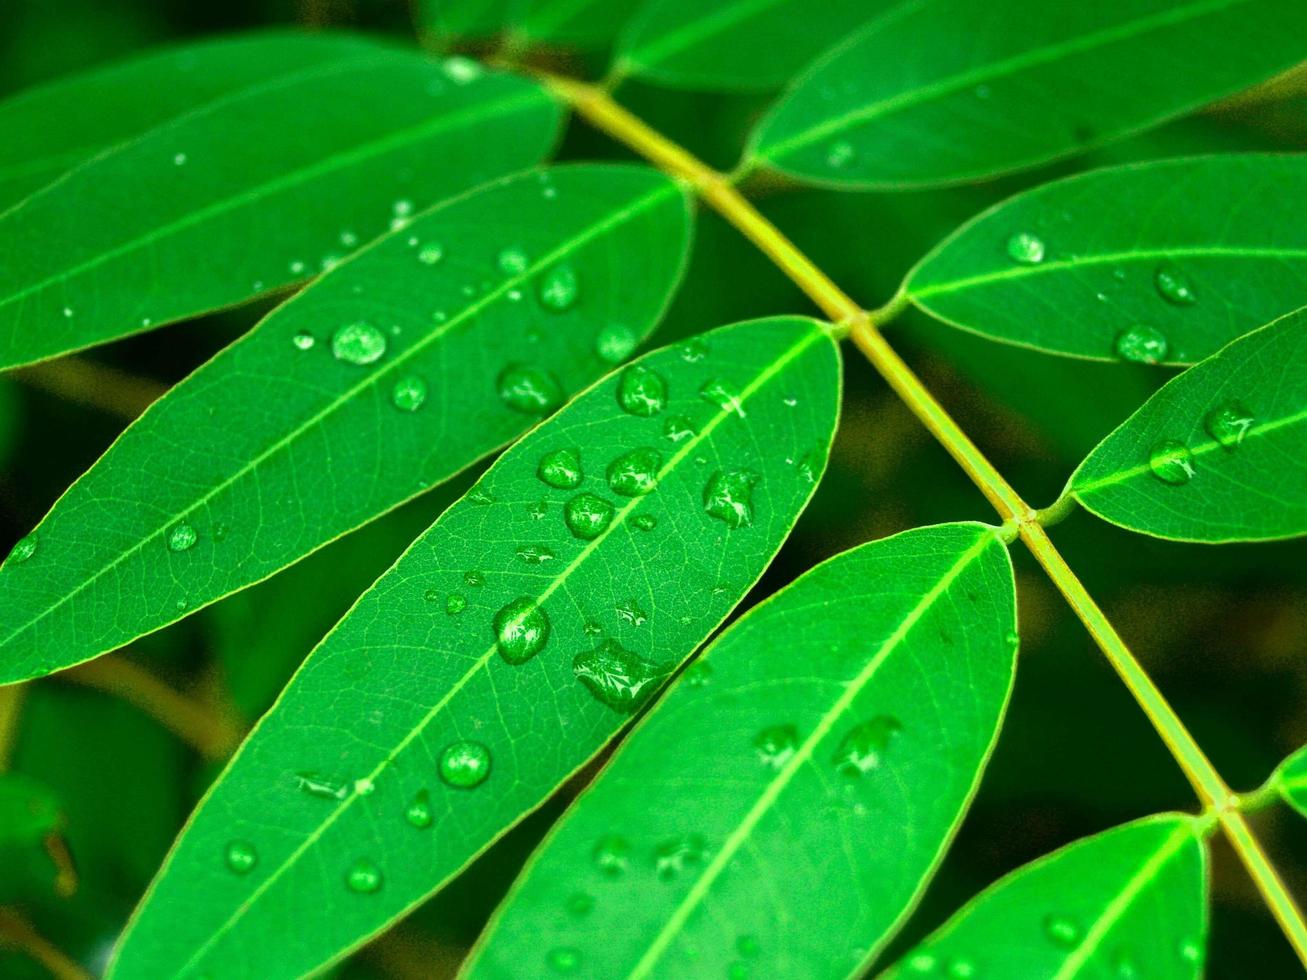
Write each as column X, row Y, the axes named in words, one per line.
column 1061, row 930
column 679, row 854
column 728, row 496
column 615, row 342
column 558, row 289
column 1141, row 344
column 776, row 745
column 23, row 549
column 1171, row 462
column 418, row 812
column 465, row 764
column 241, row 857
column 325, row 787
column 409, row 393
column 1228, row 424
column 1025, row 248
column 363, row 877
column 629, row 612
column 641, row 391
column 561, row 469
column 358, row 343
column 529, row 389
column 863, row 748
column 612, row 855
column 513, row 261
column 587, row 516
column 564, row 960
column 182, row 537
column 724, row 395
column 1174, row 286
column 616, row 676
column 521, row 630
column 535, row 554
column 635, row 473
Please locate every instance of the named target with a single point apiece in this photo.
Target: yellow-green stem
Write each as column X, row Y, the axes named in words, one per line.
column 720, row 193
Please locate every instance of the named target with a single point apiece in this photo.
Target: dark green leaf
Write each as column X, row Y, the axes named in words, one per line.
column 1218, row 454
column 449, row 338
column 737, row 44
column 458, row 692
column 31, row 820
column 827, row 746
column 1158, row 263
column 940, row 91
column 454, row 19
column 1291, row 779
column 577, row 23
column 228, row 201
column 1129, row 902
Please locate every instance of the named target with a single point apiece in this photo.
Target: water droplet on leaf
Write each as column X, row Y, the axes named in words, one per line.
column 363, row 877
column 863, row 748
column 840, row 154
column 431, row 253
column 558, row 289
column 724, row 395
column 615, row 342
column 587, row 516
column 635, row 473
column 358, row 343
column 322, row 786
column 418, row 812
column 561, row 469
column 1061, row 930
column 616, row 676
column 409, row 393
column 1025, row 248
column 1174, row 286
column 644, row 522
column 529, row 389
column 521, row 630
column 674, row 856
column 23, row 549
column 182, row 537
column 1171, row 462
column 629, row 612
column 465, row 764
column 1228, row 424
column 455, row 604
column 678, row 428
column 241, row 857
column 535, row 554
column 612, row 855
column 564, row 959
column 776, row 745
column 728, row 496
column 641, row 391
column 1141, row 344
column 513, row 261
column 303, row 340
column 474, row 578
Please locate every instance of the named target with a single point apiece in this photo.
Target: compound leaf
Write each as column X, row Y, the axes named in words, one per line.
column 905, row 104
column 499, row 654
column 1219, row 454
column 224, row 200
column 823, row 749
column 1131, row 901
column 395, row 370
column 1162, row 262
column 1291, row 780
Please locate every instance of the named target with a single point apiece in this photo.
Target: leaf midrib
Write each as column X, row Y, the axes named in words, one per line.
column 738, row 837
column 639, row 206
column 990, row 71
column 773, row 369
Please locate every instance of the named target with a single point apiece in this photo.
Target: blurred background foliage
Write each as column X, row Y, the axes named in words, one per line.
column 105, row 761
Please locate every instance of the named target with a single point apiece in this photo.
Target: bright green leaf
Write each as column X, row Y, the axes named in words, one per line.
column 1291, row 779
column 940, row 91
column 408, row 742
column 228, row 201
column 1156, row 262
column 578, row 23
column 735, row 44
column 1219, row 454
column 426, row 351
column 1129, row 902
column 827, row 746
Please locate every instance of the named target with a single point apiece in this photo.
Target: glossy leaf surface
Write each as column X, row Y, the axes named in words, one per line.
column 1128, row 902
column 1291, row 778
column 820, row 754
column 736, row 44
column 906, row 103
column 460, row 690
column 226, row 201
column 394, row 371
column 1161, row 262
column 1219, row 453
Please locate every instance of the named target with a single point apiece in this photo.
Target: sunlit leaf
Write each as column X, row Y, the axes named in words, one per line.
column 499, row 654
column 1161, row 262
column 1219, row 453
column 393, row 372
column 1291, row 779
column 939, row 91
column 826, row 745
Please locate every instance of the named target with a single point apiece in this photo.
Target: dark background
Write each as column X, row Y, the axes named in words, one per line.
column 1221, row 630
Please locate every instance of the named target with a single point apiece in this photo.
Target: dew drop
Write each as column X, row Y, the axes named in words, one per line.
column 694, row 350
column 455, row 604
column 1228, row 424
column 537, row 510
column 724, row 395
column 358, row 343
column 1061, row 930
column 431, row 253
column 465, row 764
column 513, row 261
column 840, row 154
column 521, row 630
column 529, row 390
column 409, row 393
column 635, row 473
column 460, row 70
column 1025, row 248
column 679, row 854
column 418, row 812
column 641, row 391
column 699, row 674
column 23, row 549
column 587, row 516
column 563, row 959
column 728, row 496
column 303, row 340
column 561, row 469
column 592, row 628
column 321, row 786
column 558, row 289
column 241, row 857
column 615, row 342
column 616, row 676
column 921, row 962
column 961, row 969
column 182, row 537
column 644, row 522
column 776, row 745
column 612, row 855
column 535, row 554
column 474, row 578
column 363, row 877
column 678, row 428
column 1174, row 285
column 431, row 595
column 863, row 748
column 1171, row 462
column 811, row 466
column 1141, row 344
column 629, row 612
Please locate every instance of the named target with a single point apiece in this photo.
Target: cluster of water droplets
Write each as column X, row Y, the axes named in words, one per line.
column 1060, row 931
column 1227, row 425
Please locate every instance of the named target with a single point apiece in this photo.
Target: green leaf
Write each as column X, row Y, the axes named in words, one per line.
column 453, row 19
column 1219, row 454
column 227, row 201
column 906, row 103
column 1131, row 901
column 449, row 337
column 1291, row 779
column 737, row 44
column 576, row 23
column 31, row 820
column 828, row 745
column 1155, row 262
column 424, row 742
